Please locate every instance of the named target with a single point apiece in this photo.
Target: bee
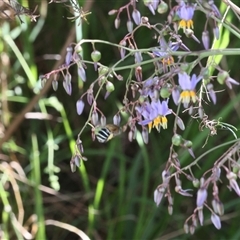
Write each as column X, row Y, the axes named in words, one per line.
column 106, row 133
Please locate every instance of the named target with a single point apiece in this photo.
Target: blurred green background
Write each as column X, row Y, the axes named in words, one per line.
column 111, row 197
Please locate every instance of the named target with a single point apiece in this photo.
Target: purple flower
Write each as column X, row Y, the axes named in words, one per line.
column 154, row 114
column 165, row 49
column 148, row 87
column 185, row 12
column 188, row 88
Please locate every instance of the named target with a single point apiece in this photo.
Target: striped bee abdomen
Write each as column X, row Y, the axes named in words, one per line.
column 103, row 135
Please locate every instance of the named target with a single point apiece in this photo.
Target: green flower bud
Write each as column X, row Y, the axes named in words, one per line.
column 96, row 56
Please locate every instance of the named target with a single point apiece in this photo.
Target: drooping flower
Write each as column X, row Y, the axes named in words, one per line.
column 185, row 12
column 154, row 114
column 165, row 52
column 188, row 85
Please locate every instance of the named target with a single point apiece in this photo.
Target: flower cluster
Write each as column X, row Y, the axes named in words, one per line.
column 172, row 81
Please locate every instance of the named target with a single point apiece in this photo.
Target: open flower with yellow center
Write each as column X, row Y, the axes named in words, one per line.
column 185, row 12
column 188, row 85
column 154, row 114
column 164, row 51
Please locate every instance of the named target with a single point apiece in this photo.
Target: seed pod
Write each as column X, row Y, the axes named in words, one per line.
column 177, row 139
column 96, row 56
column 162, row 7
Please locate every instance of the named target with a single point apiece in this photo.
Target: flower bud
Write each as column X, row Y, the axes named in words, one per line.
column 158, row 195
column 117, row 22
column 112, row 12
column 216, row 32
column 165, row 176
column 136, row 16
column 80, row 106
column 43, row 81
column 94, row 118
column 212, row 93
column 205, row 39
column 138, row 57
column 117, row 119
column 82, row 73
column 200, row 112
column 130, row 136
column 68, row 57
column 145, row 135
column 176, row 95
column 55, row 85
column 67, row 85
column 170, row 209
column 72, row 166
column 76, row 160
column 192, row 229
column 180, row 123
column 138, row 73
column 79, row 145
column 103, row 120
column 218, row 207
column 201, row 197
column 200, row 215
column 216, row 220
column 186, row 228
column 122, row 50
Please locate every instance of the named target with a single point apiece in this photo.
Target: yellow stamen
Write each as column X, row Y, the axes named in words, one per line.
column 164, row 122
column 185, row 96
column 185, row 24
column 193, row 96
column 157, row 123
column 150, row 126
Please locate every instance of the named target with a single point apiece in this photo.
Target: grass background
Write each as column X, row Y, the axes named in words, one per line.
column 111, row 197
